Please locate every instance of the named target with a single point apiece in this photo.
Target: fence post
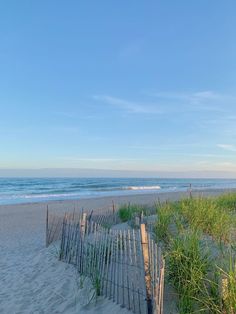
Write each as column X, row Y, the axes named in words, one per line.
column 161, row 287
column 144, row 242
column 47, row 227
column 141, row 217
column 83, row 224
column 113, row 207
column 90, row 216
column 113, row 212
column 190, row 191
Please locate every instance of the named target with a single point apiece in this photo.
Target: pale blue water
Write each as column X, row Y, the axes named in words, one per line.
column 24, row 190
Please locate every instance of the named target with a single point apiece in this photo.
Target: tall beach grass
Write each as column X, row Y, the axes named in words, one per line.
column 194, row 232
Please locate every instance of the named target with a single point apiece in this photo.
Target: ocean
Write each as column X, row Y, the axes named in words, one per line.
column 25, row 190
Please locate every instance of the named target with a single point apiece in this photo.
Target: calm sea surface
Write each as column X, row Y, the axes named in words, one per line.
column 15, row 190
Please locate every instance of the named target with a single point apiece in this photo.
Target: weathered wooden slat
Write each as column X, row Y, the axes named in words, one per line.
column 103, row 261
column 145, row 252
column 131, row 270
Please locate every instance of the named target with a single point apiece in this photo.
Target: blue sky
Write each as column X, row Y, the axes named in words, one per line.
column 137, row 85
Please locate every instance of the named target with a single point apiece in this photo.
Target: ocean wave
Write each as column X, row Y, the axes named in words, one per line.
column 153, row 187
column 49, row 195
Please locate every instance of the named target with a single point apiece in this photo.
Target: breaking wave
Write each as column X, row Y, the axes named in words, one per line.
column 154, row 187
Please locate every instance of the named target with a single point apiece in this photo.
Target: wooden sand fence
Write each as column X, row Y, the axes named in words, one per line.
column 54, row 221
column 125, row 266
column 54, row 225
column 105, row 219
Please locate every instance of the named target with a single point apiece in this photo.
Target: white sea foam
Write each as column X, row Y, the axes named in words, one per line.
column 49, row 195
column 153, row 187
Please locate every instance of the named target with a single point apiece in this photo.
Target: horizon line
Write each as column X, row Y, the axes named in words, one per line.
column 111, row 173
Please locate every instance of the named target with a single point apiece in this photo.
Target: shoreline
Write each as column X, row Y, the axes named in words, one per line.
column 142, row 198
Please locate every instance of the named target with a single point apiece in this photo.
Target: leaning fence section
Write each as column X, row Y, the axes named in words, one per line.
column 125, row 266
column 54, row 222
column 53, row 228
column 105, row 218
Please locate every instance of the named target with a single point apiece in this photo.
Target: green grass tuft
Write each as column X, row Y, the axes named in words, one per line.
column 187, row 268
column 164, row 218
column 127, row 211
column 227, row 201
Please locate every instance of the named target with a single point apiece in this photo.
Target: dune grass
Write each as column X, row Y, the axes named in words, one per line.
column 187, row 268
column 228, row 286
column 203, row 282
column 127, row 211
column 165, row 216
column 227, row 201
column 204, row 214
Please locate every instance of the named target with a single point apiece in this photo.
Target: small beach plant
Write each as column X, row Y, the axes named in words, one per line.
column 164, row 217
column 228, row 286
column 96, row 281
column 127, row 211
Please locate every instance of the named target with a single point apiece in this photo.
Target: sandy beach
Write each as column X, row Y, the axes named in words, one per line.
column 32, row 278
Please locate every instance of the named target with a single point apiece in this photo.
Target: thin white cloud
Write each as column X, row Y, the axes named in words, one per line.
column 222, row 166
column 205, row 100
column 215, row 156
column 206, row 95
column 75, row 159
column 192, row 96
column 129, row 106
column 170, row 146
column 228, row 147
column 175, row 102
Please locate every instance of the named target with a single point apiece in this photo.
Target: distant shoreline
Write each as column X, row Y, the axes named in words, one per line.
column 31, row 191
column 103, row 202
